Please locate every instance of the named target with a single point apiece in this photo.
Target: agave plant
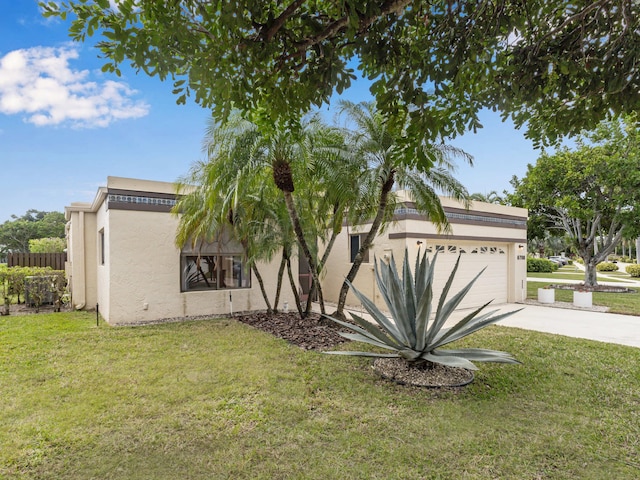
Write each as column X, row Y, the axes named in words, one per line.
column 412, row 334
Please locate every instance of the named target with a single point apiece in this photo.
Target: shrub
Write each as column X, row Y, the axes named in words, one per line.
column 541, row 265
column 37, row 290
column 4, row 289
column 606, row 267
column 15, row 279
column 45, row 285
column 413, row 335
column 633, row 270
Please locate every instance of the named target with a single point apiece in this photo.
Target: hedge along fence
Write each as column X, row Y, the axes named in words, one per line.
column 38, row 285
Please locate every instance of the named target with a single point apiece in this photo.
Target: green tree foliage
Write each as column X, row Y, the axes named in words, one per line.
column 47, row 245
column 15, row 234
column 271, row 191
column 555, row 66
column 592, row 193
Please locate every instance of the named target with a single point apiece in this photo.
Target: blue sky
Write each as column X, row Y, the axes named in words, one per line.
column 65, row 126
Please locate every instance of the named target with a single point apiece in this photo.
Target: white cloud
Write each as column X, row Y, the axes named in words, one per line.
column 39, row 83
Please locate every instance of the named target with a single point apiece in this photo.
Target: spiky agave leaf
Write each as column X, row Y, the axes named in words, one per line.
column 412, row 335
column 394, row 295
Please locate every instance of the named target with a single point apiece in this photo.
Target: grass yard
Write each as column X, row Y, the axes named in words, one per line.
column 217, row 399
column 627, row 303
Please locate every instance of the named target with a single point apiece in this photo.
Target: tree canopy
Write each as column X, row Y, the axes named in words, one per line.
column 592, row 193
column 15, row 234
column 556, row 66
column 47, row 245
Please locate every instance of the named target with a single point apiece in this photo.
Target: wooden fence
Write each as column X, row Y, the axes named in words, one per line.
column 53, row 260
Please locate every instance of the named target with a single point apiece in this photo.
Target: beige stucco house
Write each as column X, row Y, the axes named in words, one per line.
column 486, row 235
column 122, row 257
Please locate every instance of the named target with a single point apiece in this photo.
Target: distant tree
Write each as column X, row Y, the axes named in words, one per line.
column 47, row 245
column 555, row 66
column 592, row 193
column 16, row 233
column 491, row 197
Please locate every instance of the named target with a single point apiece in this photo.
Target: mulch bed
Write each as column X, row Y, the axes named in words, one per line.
column 311, row 333
column 316, row 333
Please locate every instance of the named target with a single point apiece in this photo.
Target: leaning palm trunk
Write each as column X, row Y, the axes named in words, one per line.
column 294, row 288
column 283, row 264
column 254, row 268
column 283, row 179
column 371, row 235
column 297, row 228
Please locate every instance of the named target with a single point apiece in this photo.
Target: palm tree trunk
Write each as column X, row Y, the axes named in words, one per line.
column 368, row 240
column 297, row 228
column 283, row 263
column 262, row 289
column 312, row 292
column 327, row 250
column 294, row 288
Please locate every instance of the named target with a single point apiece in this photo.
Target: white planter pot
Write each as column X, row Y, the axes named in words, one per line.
column 582, row 299
column 546, row 295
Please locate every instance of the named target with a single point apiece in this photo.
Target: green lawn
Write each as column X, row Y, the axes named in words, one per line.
column 627, row 303
column 217, row 399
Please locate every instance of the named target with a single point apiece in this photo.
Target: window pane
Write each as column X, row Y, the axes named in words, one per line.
column 232, row 273
column 199, row 273
column 213, row 272
column 355, row 246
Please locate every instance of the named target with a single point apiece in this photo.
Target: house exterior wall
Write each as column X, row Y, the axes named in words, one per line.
column 81, row 256
column 103, row 269
column 140, row 278
column 495, row 233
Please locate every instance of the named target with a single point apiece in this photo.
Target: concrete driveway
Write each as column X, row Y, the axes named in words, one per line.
column 588, row 324
column 592, row 325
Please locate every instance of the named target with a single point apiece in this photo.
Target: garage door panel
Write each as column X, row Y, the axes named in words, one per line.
column 491, row 285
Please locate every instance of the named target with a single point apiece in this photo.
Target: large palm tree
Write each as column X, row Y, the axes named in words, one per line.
column 375, row 153
column 250, row 179
column 224, row 194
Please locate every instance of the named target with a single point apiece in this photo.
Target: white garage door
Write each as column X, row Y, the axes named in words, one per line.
column 492, row 284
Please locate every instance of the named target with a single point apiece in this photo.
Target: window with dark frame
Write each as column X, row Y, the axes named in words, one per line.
column 220, row 271
column 101, row 246
column 354, row 245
